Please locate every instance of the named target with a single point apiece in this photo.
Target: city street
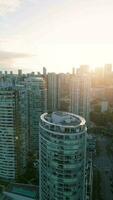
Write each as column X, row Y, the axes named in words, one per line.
column 104, row 164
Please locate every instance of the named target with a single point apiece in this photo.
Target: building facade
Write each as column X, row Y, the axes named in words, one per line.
column 62, row 156
column 52, row 87
column 63, row 91
column 37, row 104
column 13, row 132
column 80, row 90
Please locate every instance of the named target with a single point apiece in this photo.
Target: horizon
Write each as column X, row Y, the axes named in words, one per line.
column 92, row 69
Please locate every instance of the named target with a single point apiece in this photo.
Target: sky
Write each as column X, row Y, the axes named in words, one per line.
column 56, row 34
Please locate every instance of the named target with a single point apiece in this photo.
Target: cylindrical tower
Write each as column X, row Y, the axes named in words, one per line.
column 62, row 156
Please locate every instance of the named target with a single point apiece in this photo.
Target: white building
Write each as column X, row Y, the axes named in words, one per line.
column 104, row 106
column 80, row 95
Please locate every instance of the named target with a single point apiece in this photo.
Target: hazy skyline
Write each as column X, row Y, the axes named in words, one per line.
column 57, row 34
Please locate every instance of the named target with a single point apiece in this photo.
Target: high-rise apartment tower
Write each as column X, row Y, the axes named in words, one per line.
column 37, row 104
column 80, row 95
column 62, row 156
column 13, row 131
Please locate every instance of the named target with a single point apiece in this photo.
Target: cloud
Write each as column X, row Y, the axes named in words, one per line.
column 8, row 6
column 5, row 55
column 9, row 58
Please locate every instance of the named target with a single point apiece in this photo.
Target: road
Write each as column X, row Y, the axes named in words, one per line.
column 104, row 164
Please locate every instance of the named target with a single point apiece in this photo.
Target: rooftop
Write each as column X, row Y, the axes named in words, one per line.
column 63, row 118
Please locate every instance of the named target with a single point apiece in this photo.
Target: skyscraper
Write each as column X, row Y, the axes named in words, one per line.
column 52, row 82
column 80, row 95
column 62, row 156
column 107, row 69
column 63, row 91
column 13, row 131
column 19, row 72
column 108, row 75
column 37, row 104
column 84, row 69
column 44, row 71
